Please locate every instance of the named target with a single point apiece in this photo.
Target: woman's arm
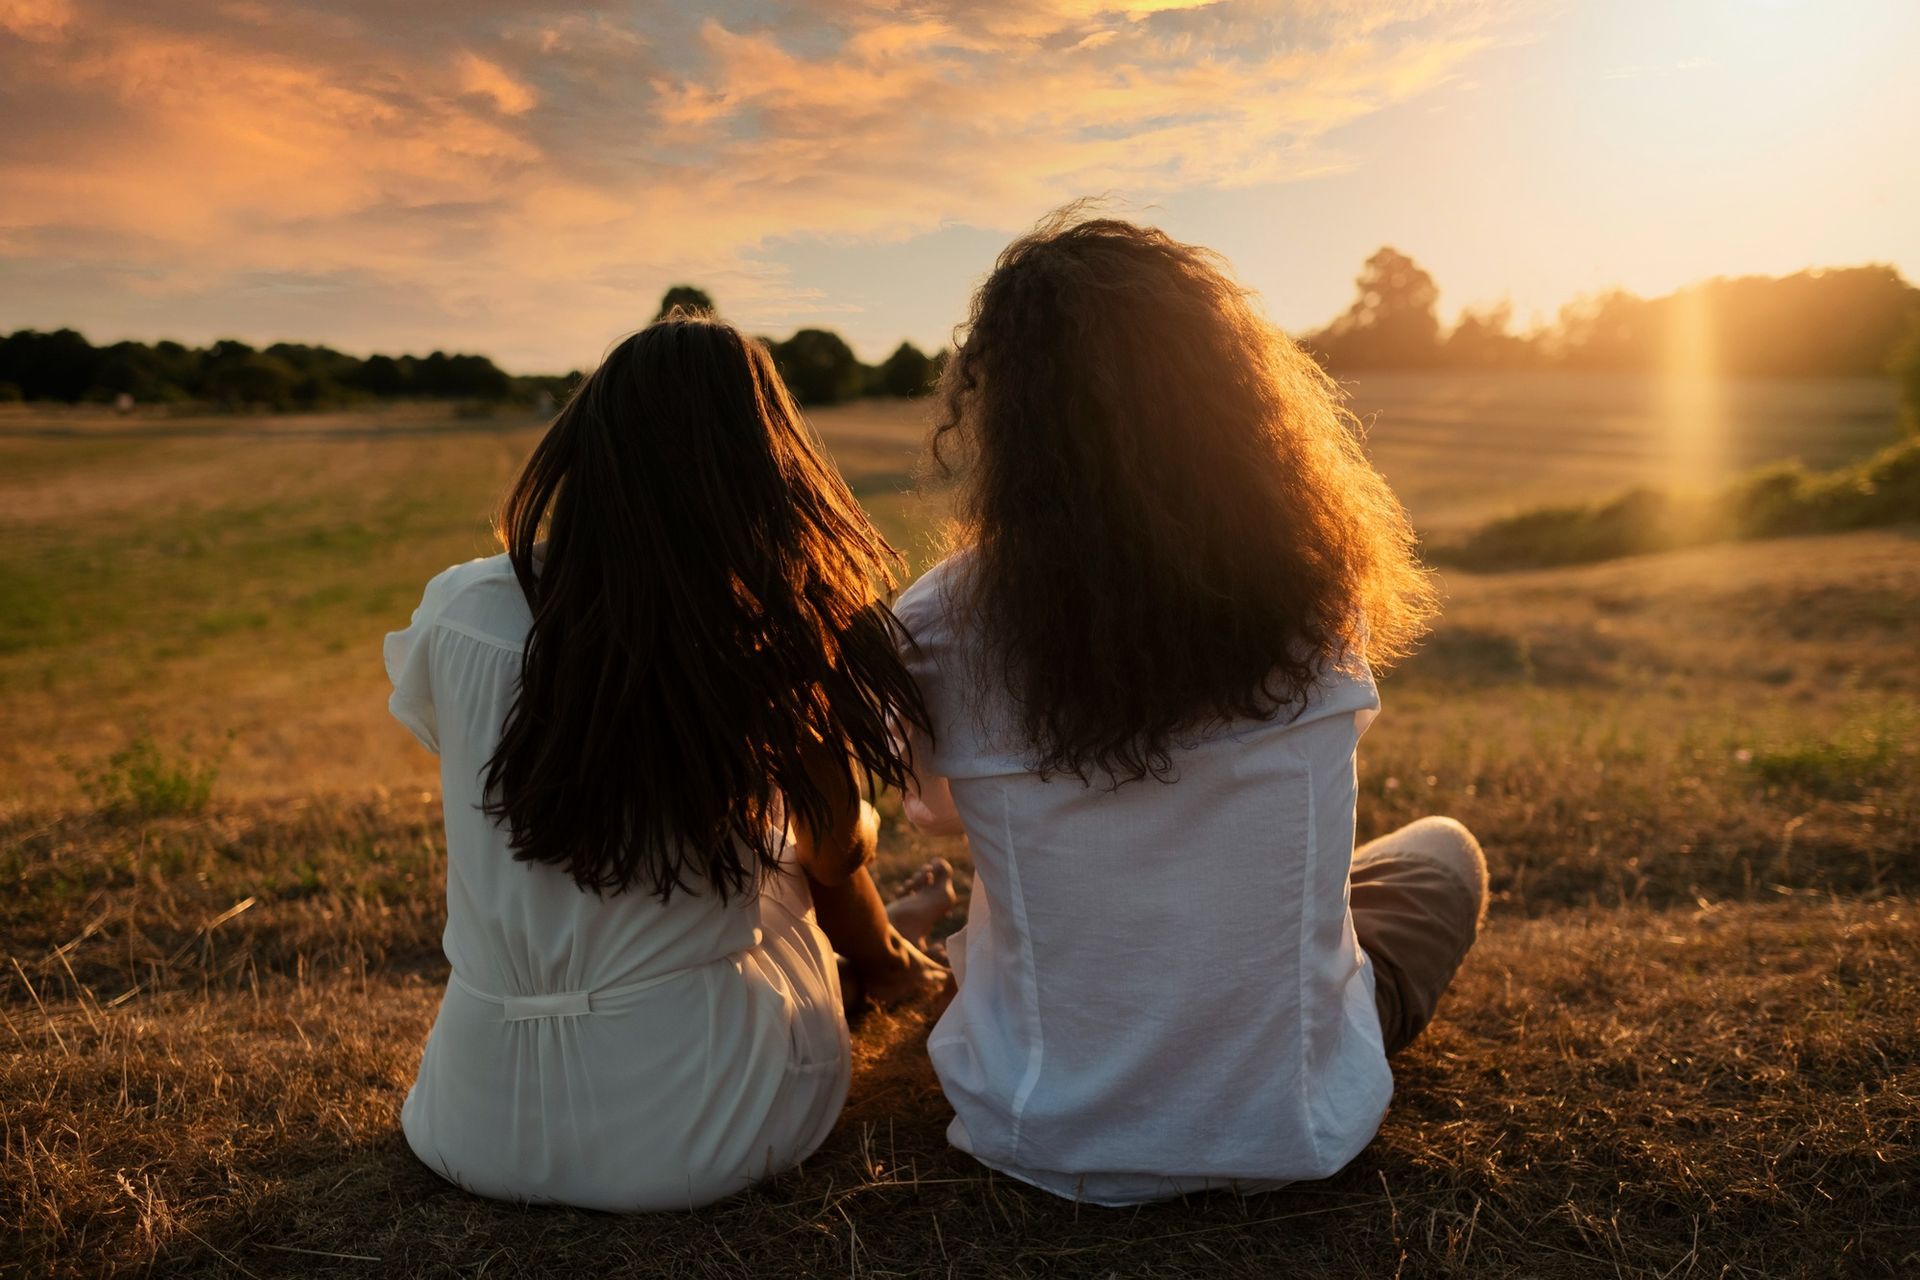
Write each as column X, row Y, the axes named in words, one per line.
column 929, row 806
column 851, row 834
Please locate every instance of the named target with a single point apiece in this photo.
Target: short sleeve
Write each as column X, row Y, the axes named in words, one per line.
column 409, row 658
column 928, row 803
column 975, row 729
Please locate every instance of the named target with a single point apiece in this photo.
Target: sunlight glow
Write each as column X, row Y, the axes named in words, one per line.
column 1690, row 397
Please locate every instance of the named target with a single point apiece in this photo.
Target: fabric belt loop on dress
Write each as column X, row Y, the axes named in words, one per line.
column 574, row 1004
column 560, row 1004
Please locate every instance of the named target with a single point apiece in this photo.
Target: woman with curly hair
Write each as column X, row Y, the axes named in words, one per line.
column 1146, row 669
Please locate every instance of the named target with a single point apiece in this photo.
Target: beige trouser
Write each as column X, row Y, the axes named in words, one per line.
column 1418, row 896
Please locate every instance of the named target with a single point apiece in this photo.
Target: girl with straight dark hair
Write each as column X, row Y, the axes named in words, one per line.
column 652, row 714
column 1147, row 669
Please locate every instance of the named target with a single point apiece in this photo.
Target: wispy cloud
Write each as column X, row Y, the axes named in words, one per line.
column 528, row 175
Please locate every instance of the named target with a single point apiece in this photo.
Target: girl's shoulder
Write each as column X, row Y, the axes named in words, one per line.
column 927, row 603
column 454, row 579
column 469, row 599
column 478, row 596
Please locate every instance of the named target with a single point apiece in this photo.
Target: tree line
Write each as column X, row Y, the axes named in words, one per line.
column 1854, row 321
column 818, row 365
column 63, row 365
column 1850, row 321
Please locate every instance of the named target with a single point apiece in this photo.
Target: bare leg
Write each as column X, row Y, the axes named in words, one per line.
column 886, row 967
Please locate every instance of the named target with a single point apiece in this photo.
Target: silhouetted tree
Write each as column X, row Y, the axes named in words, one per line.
column 1483, row 339
column 240, row 377
column 47, row 366
column 146, row 373
column 1844, row 321
column 479, row 377
column 1837, row 321
column 63, row 365
column 380, row 376
column 1392, row 322
column 1612, row 330
column 907, row 372
column 820, row 368
column 687, row 298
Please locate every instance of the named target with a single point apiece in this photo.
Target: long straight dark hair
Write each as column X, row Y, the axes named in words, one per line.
column 707, row 619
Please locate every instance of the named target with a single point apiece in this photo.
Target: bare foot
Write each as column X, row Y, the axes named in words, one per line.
column 917, row 976
column 926, row 898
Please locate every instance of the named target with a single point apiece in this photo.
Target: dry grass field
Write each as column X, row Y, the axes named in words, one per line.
column 1688, row 1043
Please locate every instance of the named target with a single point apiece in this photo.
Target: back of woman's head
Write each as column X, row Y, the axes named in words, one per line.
column 1171, row 521
column 706, row 619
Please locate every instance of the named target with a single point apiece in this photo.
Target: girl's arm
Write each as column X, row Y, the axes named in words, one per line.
column 929, row 806
column 928, row 802
column 851, row 834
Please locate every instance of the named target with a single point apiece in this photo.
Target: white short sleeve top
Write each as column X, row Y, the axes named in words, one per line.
column 610, row 1051
column 1160, row 986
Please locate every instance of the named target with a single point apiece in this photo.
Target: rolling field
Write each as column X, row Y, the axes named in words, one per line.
column 1686, row 1045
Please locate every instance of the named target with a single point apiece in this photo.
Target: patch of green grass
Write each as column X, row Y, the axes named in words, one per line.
column 28, row 608
column 145, row 780
column 1776, row 502
column 220, row 622
column 1836, row 768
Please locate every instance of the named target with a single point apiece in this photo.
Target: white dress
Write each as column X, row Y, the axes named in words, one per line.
column 609, row 1052
column 1160, row 987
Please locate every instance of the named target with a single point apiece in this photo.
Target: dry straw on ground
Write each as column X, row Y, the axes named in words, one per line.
column 1688, row 1043
column 207, row 1062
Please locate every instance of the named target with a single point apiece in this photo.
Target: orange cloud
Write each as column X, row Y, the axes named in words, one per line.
column 525, row 170
column 477, row 75
column 35, row 19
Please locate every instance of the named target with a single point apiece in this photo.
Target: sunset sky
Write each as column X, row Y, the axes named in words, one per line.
column 524, row 179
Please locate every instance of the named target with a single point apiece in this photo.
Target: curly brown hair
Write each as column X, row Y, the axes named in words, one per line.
column 1169, row 518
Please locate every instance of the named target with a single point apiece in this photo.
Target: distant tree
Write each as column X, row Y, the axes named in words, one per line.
column 1483, row 339
column 478, row 377
column 432, row 375
column 1393, row 321
column 1612, row 330
column 1837, row 321
column 381, row 376
column 63, row 365
column 324, row 375
column 1840, row 322
column 819, row 367
column 48, row 366
column 179, row 366
column 240, row 377
column 143, row 372
column 688, row 298
column 907, row 372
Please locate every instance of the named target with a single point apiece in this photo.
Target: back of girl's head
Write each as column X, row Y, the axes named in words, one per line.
column 1170, row 517
column 706, row 616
